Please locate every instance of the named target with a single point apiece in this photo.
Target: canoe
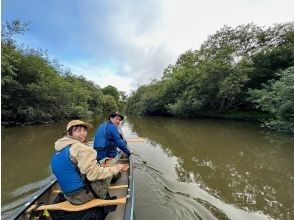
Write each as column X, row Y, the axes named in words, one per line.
column 42, row 200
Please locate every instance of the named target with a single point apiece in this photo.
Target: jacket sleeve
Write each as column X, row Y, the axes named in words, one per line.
column 88, row 165
column 118, row 140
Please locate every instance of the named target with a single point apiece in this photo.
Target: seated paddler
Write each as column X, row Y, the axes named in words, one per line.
column 75, row 165
column 108, row 141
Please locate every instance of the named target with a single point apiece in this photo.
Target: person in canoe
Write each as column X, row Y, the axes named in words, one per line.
column 108, row 139
column 75, row 165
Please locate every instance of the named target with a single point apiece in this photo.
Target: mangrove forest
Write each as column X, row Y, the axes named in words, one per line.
column 246, row 73
column 36, row 89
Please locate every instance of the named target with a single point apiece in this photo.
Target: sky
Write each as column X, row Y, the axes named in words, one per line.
column 128, row 43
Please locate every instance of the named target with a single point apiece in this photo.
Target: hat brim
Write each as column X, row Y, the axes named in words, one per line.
column 112, row 116
column 121, row 117
column 87, row 125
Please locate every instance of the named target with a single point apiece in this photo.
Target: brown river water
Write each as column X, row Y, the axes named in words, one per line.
column 183, row 169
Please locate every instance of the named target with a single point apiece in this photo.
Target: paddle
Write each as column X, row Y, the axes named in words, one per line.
column 132, row 152
column 136, row 139
column 67, row 206
column 137, row 154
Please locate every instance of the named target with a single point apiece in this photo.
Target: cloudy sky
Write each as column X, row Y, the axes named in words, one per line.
column 128, row 43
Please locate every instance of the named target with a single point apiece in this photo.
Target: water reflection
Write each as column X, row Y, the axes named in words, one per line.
column 232, row 161
column 189, row 169
column 25, row 156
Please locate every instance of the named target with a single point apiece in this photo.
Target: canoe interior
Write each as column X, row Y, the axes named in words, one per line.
column 49, row 193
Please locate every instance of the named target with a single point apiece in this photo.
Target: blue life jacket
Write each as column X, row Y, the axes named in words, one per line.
column 103, row 144
column 67, row 174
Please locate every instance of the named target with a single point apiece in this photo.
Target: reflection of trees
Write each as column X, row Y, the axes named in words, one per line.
column 231, row 160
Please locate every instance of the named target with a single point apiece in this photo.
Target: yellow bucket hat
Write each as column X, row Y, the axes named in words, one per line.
column 78, row 122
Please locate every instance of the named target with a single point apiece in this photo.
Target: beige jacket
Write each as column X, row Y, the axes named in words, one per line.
column 84, row 157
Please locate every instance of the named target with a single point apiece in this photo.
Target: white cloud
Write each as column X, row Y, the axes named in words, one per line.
column 129, row 43
column 101, row 76
column 143, row 40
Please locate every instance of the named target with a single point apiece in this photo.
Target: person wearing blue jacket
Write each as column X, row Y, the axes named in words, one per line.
column 108, row 139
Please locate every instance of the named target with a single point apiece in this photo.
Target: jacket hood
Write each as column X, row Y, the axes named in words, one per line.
column 64, row 142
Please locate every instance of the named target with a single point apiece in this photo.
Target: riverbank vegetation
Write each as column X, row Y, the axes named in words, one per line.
column 244, row 72
column 35, row 89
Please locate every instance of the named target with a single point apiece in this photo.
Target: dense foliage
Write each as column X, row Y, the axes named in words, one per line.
column 278, row 98
column 36, row 89
column 216, row 79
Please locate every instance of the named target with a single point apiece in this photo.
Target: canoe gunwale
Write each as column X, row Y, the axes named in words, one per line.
column 21, row 210
column 129, row 206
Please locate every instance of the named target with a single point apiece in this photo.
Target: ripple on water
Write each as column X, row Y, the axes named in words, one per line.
column 159, row 195
column 151, row 185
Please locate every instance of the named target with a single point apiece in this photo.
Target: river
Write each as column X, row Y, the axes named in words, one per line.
column 184, row 169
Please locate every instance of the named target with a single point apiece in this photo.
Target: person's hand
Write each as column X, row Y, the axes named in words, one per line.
column 131, row 150
column 122, row 167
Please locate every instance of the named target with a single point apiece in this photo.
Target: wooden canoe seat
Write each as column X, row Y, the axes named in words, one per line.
column 118, row 187
column 67, row 206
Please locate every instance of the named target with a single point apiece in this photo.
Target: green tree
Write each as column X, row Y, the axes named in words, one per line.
column 111, row 90
column 277, row 98
column 109, row 103
column 123, row 96
column 36, row 89
column 215, row 79
column 10, row 29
